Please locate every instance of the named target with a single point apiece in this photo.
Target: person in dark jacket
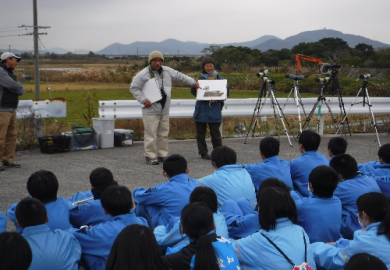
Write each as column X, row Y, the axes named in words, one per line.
column 10, row 90
column 208, row 112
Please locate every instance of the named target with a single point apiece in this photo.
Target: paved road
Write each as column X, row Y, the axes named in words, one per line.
column 129, row 168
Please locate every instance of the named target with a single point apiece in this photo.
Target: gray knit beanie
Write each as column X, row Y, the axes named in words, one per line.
column 207, row 60
column 155, row 54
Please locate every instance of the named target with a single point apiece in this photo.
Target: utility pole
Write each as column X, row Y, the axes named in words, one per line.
column 38, row 121
column 137, row 53
column 9, row 48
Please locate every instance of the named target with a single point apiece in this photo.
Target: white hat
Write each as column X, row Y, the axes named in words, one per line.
column 155, row 54
column 6, row 55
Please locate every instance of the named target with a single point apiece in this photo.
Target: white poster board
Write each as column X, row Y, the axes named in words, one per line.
column 151, row 90
column 212, row 90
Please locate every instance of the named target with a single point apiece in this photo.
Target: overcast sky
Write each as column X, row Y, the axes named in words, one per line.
column 95, row 24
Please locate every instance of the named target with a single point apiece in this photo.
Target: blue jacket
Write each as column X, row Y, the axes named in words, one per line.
column 242, row 219
column 183, row 257
column 171, row 236
column 208, row 112
column 166, row 200
column 89, row 213
column 255, row 252
column 58, row 213
column 97, row 241
column 230, row 182
column 3, row 222
column 301, row 168
column 55, row 249
column 381, row 174
column 320, row 217
column 270, row 167
column 336, row 256
column 348, row 192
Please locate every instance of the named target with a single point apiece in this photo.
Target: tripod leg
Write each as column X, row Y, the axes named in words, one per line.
column 331, row 113
column 292, row 89
column 308, row 118
column 352, row 104
column 319, row 118
column 280, row 114
column 300, row 102
column 372, row 116
column 258, row 109
column 297, row 103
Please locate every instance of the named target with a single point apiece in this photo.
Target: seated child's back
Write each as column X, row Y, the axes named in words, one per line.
column 352, row 185
column 230, row 181
column 51, row 249
column 301, row 167
column 320, row 213
column 96, row 242
column 272, row 166
column 161, row 203
column 88, row 209
column 380, row 170
column 43, row 185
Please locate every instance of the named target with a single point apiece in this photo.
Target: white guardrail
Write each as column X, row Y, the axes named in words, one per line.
column 41, row 109
column 184, row 108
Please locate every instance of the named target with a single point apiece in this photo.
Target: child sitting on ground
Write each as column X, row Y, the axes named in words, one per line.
column 337, row 146
column 301, row 167
column 271, row 166
column 241, row 218
column 380, row 170
column 88, row 209
column 97, row 241
column 230, row 181
column 51, row 249
column 171, row 236
column 161, row 203
column 43, row 185
column 352, row 185
column 320, row 213
column 206, row 250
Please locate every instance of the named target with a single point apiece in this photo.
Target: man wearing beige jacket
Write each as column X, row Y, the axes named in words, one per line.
column 155, row 115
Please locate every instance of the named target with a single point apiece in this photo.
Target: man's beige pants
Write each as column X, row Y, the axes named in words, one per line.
column 7, row 135
column 156, row 135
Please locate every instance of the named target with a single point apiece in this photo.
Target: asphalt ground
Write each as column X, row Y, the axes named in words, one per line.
column 130, row 169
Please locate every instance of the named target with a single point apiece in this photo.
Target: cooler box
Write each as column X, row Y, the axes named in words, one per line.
column 105, row 126
column 83, row 141
column 123, row 137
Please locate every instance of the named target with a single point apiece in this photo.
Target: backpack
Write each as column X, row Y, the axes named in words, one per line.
column 302, row 266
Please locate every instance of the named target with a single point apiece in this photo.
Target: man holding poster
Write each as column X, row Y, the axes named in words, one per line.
column 152, row 88
column 209, row 112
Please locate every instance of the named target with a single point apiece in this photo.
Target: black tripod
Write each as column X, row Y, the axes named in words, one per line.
column 320, row 101
column 267, row 89
column 336, row 89
column 364, row 87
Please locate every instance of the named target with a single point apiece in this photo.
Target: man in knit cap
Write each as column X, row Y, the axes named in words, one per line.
column 156, row 115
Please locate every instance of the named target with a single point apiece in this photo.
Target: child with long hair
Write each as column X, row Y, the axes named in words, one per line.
column 374, row 215
column 140, row 253
column 205, row 251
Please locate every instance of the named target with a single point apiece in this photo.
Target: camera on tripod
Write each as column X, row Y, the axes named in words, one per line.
column 327, row 68
column 268, row 81
column 365, row 76
column 322, row 80
column 262, row 74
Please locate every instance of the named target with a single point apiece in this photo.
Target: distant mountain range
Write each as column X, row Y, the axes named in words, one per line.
column 264, row 43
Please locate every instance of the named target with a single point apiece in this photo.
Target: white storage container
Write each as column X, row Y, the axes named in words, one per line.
column 105, row 126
